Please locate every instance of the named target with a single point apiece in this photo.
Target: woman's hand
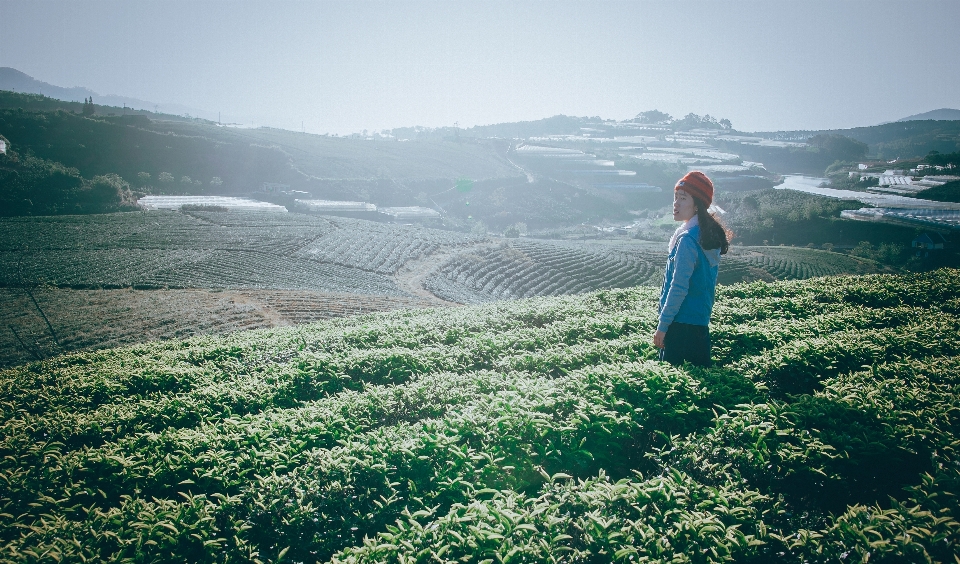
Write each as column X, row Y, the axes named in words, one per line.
column 658, row 339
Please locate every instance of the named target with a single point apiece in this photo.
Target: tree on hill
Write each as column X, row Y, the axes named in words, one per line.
column 35, row 186
column 108, row 192
column 840, row 147
column 937, row 158
column 694, row 121
column 949, row 192
column 655, row 117
column 88, row 108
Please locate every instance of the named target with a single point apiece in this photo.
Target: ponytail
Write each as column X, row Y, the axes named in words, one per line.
column 713, row 234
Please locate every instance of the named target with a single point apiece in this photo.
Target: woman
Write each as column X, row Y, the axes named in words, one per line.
column 690, row 281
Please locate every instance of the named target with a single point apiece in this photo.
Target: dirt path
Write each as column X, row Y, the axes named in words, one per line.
column 413, row 273
column 530, row 177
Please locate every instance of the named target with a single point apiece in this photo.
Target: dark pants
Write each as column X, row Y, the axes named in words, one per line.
column 686, row 343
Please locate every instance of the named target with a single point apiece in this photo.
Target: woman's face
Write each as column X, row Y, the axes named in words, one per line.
column 683, row 206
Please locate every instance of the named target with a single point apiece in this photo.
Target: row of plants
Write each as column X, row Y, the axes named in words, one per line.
column 96, row 319
column 177, row 250
column 534, row 430
column 380, row 247
column 526, row 268
column 788, row 263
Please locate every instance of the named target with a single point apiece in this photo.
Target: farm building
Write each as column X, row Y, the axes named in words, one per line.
column 410, row 213
column 947, row 219
column 273, row 187
column 362, row 210
column 927, row 242
column 894, row 179
column 932, row 181
column 230, row 203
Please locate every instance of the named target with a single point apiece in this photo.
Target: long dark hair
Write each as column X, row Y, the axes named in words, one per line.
column 713, row 233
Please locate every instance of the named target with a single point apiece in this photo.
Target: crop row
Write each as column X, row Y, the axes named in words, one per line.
column 305, row 307
column 798, row 264
column 378, row 247
column 209, row 249
column 525, row 269
column 184, row 269
column 245, row 269
column 330, row 497
column 741, row 490
column 499, row 335
column 160, row 230
column 310, row 487
column 98, row 319
column 513, row 430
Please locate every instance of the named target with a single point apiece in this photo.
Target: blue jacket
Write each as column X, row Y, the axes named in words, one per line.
column 689, row 283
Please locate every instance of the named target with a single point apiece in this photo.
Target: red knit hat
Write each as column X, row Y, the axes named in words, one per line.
column 697, row 185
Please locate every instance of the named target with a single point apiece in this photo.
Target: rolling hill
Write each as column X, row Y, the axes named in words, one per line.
column 948, row 114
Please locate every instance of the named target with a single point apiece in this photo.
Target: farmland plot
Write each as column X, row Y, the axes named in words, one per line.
column 245, row 269
column 531, row 430
column 521, row 269
column 184, row 250
column 527, row 268
column 378, row 247
column 97, row 319
column 788, row 263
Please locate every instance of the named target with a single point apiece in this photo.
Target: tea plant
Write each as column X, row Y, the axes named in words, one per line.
column 534, row 430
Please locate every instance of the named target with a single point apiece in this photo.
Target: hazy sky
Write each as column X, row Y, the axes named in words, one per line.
column 344, row 66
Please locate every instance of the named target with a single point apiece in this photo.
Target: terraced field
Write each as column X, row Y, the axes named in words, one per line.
column 379, row 247
column 532, row 268
column 291, row 263
column 745, row 264
column 520, row 269
column 64, row 319
column 524, row 431
column 104, row 280
column 233, row 250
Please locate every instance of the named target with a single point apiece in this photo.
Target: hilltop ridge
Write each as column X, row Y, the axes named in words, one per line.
column 947, row 114
column 18, row 81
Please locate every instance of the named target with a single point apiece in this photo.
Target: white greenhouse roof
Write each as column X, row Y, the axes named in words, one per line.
column 338, row 205
column 176, row 202
column 410, row 212
column 548, row 151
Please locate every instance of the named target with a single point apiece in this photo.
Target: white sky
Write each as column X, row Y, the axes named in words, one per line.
column 344, row 66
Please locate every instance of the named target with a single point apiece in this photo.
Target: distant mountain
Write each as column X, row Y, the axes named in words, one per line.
column 941, row 114
column 12, row 79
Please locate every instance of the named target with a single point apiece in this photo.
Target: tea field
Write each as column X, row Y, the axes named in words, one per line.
column 748, row 264
column 535, row 430
column 98, row 319
column 527, row 268
column 211, row 250
column 82, row 282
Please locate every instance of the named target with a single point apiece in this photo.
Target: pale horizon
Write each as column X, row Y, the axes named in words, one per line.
column 339, row 67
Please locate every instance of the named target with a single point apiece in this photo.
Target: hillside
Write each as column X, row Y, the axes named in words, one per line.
column 16, row 81
column 242, row 158
column 81, row 282
column 772, row 217
column 535, row 430
column 949, row 114
column 949, row 192
column 896, row 140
